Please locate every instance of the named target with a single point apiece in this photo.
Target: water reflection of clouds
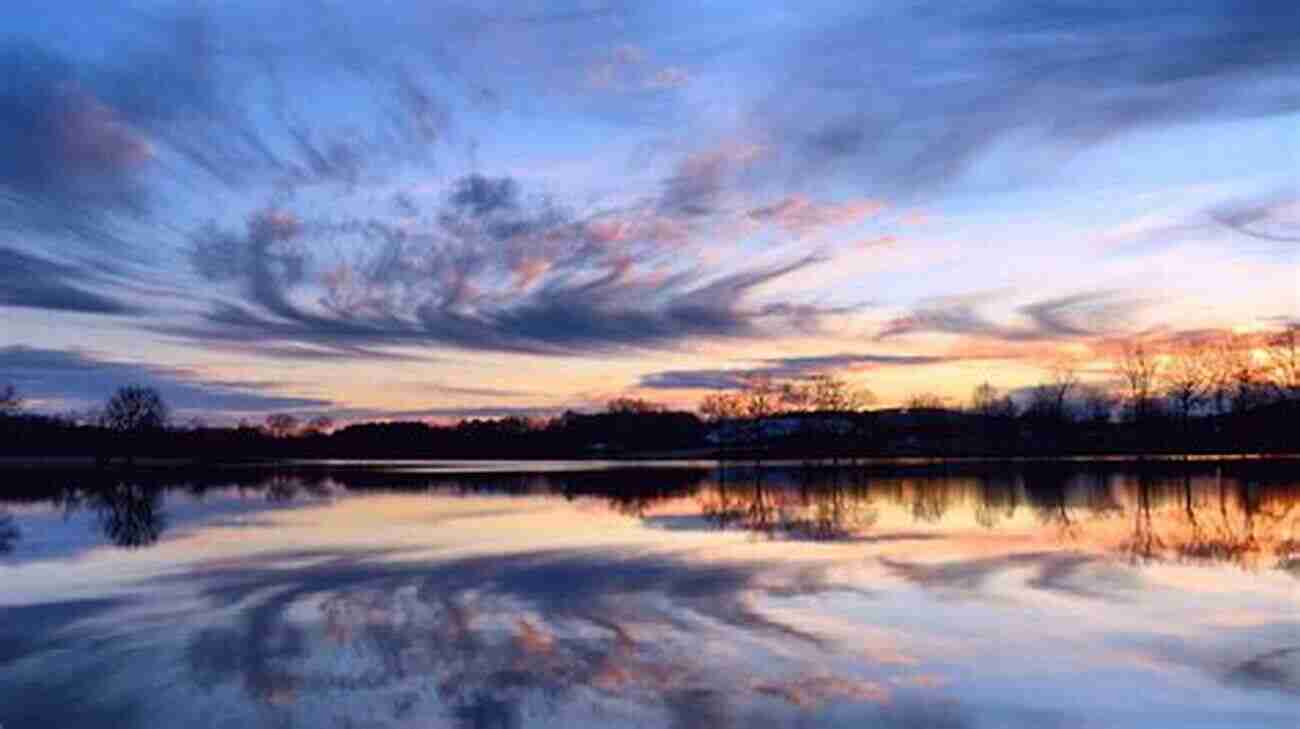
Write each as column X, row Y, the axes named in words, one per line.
column 129, row 514
column 1193, row 516
column 499, row 637
column 1000, row 602
column 1263, row 657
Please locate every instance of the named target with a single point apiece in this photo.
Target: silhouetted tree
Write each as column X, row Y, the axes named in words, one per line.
column 1283, row 356
column 834, row 403
column 1049, row 400
column 829, row 394
column 134, row 413
column 1097, row 404
column 1050, row 408
column 633, row 405
column 796, row 396
column 1140, row 371
column 823, row 393
column 723, row 411
column 1187, row 380
column 1233, row 375
column 320, row 425
column 720, row 407
column 761, row 398
column 281, row 425
column 996, row 412
column 924, row 401
column 988, row 402
column 10, row 402
column 135, row 409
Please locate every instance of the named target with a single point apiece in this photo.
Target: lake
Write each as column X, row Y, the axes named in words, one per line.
column 345, row 594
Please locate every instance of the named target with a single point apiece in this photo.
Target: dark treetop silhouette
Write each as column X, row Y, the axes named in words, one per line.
column 1209, row 396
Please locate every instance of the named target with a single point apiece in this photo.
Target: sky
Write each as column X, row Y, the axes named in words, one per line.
column 413, row 209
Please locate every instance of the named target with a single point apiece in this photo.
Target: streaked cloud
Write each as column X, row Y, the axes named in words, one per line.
column 489, row 270
column 1076, row 316
column 782, row 368
column 614, row 186
column 1274, row 218
column 942, row 87
column 76, row 380
column 36, row 283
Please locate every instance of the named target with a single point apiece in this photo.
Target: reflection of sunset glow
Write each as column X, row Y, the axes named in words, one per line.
column 800, row 595
column 1202, row 519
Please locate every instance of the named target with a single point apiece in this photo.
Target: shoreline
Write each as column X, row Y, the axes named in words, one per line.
column 647, row 460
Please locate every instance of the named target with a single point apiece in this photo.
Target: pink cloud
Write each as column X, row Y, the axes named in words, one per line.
column 274, row 225
column 813, row 691
column 92, row 136
column 650, row 228
column 800, row 215
column 610, row 230
column 528, row 271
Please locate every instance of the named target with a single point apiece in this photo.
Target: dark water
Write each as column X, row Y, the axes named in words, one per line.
column 571, row 595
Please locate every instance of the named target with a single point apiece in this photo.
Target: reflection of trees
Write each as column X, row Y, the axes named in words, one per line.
column 839, row 513
column 1288, row 556
column 754, row 506
column 1099, row 498
column 721, row 506
column 1242, row 514
column 1213, row 519
column 1178, row 513
column 8, row 532
column 629, row 492
column 817, row 510
column 282, row 488
column 997, row 498
column 929, row 504
column 1145, row 543
column 286, row 488
column 1048, row 489
column 829, row 509
column 130, row 514
column 761, row 509
column 1225, row 533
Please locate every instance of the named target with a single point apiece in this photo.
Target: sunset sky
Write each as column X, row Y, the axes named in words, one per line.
column 421, row 209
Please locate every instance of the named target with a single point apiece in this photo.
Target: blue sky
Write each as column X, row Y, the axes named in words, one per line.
column 410, row 209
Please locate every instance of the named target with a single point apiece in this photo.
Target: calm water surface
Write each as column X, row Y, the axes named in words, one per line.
column 424, row 595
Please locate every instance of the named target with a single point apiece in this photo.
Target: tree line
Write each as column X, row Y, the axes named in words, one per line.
column 136, row 422
column 1239, row 512
column 1224, row 394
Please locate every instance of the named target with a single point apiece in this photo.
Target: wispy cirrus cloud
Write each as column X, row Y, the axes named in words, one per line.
column 799, row 215
column 490, row 269
column 341, row 181
column 37, row 283
column 1271, row 218
column 71, row 379
column 943, row 86
column 783, row 368
column 702, row 179
column 1085, row 315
